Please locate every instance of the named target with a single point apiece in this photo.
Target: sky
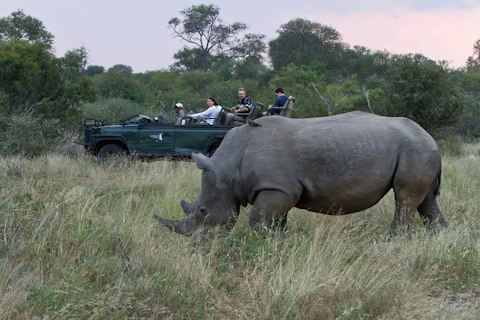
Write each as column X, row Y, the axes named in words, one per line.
column 136, row 33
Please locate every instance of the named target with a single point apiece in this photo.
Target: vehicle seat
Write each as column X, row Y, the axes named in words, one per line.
column 221, row 118
column 255, row 112
column 287, row 109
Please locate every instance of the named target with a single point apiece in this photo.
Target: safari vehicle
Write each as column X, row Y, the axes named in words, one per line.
column 143, row 136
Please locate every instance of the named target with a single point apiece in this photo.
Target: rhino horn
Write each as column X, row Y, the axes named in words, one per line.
column 183, row 226
column 187, row 207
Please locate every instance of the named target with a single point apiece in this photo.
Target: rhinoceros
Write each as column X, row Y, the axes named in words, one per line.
column 333, row 165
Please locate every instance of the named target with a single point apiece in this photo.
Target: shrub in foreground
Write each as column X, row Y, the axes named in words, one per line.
column 30, row 136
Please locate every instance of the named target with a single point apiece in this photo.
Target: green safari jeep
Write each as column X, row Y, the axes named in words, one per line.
column 142, row 136
column 145, row 137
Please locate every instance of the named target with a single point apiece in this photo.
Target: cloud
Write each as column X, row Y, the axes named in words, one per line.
column 440, row 34
column 387, row 6
column 136, row 33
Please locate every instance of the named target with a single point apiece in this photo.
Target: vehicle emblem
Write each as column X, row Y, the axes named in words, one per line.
column 155, row 136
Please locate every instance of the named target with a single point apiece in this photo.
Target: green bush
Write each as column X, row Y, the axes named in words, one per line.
column 419, row 89
column 469, row 124
column 450, row 144
column 29, row 136
column 116, row 85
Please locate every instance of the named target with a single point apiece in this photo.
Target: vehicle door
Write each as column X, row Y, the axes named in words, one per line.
column 196, row 137
column 155, row 138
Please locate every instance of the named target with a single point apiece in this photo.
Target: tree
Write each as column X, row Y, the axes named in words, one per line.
column 189, row 59
column 94, row 70
column 303, row 42
column 34, row 81
column 18, row 26
column 118, row 85
column 419, row 89
column 78, row 86
column 202, row 27
column 474, row 60
column 121, row 69
column 31, row 76
column 75, row 61
column 250, row 68
column 471, row 80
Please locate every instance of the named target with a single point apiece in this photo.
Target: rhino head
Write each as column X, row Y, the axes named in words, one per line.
column 216, row 205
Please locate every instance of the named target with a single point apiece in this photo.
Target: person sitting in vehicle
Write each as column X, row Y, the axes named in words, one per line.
column 244, row 105
column 279, row 102
column 180, row 121
column 210, row 114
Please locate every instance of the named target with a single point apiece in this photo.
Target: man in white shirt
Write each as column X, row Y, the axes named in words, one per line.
column 210, row 114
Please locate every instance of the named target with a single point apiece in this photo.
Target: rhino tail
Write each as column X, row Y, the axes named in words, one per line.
column 436, row 191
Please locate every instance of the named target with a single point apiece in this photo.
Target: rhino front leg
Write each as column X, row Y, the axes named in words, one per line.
column 270, row 210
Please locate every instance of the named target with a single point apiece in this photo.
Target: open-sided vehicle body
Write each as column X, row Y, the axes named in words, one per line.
column 142, row 136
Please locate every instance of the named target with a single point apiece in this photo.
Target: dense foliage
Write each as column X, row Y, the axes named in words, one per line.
column 35, row 83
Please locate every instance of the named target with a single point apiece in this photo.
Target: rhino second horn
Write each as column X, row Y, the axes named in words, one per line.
column 187, row 207
column 182, row 226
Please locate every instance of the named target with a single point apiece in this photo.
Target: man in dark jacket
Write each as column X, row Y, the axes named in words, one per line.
column 279, row 102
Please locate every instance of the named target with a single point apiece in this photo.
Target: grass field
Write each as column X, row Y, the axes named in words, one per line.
column 79, row 241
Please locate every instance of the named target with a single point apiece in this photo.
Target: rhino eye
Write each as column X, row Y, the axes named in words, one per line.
column 203, row 210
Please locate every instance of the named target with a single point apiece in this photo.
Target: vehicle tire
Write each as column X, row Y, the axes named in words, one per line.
column 212, row 151
column 111, row 152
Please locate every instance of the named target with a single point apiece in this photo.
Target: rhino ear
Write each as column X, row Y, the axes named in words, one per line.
column 202, row 161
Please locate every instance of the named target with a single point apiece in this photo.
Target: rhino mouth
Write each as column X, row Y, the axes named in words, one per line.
column 185, row 226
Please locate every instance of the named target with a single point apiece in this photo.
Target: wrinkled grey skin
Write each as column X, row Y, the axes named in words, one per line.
column 333, row 165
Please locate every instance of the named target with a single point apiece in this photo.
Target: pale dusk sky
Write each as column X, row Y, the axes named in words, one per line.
column 135, row 32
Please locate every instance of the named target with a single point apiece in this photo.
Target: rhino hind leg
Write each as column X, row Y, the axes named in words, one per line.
column 270, row 210
column 431, row 214
column 409, row 195
column 416, row 182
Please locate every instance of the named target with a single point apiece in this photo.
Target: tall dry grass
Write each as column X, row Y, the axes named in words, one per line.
column 78, row 241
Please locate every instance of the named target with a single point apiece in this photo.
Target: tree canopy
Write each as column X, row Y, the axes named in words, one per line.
column 19, row 26
column 303, row 42
column 474, row 60
column 201, row 27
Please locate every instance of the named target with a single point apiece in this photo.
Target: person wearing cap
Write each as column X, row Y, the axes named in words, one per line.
column 211, row 113
column 279, row 102
column 180, row 114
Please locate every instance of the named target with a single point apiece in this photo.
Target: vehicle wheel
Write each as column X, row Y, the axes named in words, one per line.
column 212, row 151
column 111, row 152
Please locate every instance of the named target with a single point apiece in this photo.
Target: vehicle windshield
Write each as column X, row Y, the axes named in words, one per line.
column 135, row 119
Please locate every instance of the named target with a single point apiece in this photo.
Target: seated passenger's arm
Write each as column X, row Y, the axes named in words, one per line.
column 243, row 110
column 200, row 115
